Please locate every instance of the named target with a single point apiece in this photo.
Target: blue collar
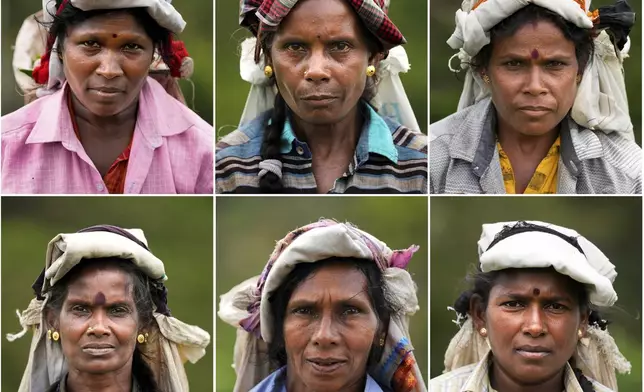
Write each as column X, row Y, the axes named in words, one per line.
column 275, row 383
column 375, row 138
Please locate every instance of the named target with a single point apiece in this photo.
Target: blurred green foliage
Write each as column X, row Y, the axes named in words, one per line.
column 409, row 16
column 446, row 86
column 197, row 37
column 179, row 232
column 248, row 228
column 614, row 224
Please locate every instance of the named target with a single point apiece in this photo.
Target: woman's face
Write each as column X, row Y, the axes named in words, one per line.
column 98, row 322
column 532, row 319
column 329, row 329
column 320, row 58
column 106, row 60
column 533, row 78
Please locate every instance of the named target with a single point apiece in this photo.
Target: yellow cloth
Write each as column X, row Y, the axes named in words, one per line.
column 544, row 179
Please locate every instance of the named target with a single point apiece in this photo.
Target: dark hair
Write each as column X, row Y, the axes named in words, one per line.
column 270, row 149
column 483, row 282
column 381, row 303
column 141, row 289
column 71, row 16
column 531, row 14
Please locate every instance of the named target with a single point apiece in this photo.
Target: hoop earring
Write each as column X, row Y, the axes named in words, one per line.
column 371, row 70
column 268, row 71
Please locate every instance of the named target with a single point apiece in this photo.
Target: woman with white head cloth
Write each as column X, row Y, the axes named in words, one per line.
column 327, row 112
column 529, row 322
column 101, row 319
column 330, row 312
column 544, row 106
column 100, row 123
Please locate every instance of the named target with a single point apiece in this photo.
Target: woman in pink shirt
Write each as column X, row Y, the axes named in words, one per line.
column 101, row 124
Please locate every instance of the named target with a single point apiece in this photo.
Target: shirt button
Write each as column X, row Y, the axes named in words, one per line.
column 99, row 187
column 299, row 150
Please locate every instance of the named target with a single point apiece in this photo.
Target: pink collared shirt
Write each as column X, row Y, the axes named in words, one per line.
column 172, row 149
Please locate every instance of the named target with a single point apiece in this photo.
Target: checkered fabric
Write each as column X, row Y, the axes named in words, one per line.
column 266, row 15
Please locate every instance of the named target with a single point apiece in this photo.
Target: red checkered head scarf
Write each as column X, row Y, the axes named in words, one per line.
column 266, row 15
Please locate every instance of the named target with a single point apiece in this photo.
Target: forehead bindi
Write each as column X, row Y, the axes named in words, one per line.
column 534, row 54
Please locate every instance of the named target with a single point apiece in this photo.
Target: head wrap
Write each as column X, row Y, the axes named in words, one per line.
column 178, row 341
column 537, row 244
column 246, row 305
column 259, row 16
column 47, row 75
column 601, row 102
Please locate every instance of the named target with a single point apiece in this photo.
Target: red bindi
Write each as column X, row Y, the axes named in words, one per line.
column 534, row 54
column 114, row 35
column 99, row 300
column 536, row 292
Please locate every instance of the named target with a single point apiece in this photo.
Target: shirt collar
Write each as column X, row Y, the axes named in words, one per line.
column 479, row 380
column 375, row 137
column 153, row 119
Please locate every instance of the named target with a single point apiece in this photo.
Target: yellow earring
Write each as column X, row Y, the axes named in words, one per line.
column 142, row 338
column 486, row 79
column 371, row 70
column 268, row 71
column 53, row 335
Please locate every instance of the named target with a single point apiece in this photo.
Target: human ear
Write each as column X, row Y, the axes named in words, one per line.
column 477, row 312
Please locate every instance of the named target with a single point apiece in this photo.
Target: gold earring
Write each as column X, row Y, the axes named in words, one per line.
column 382, row 342
column 142, row 338
column 371, row 70
column 580, row 334
column 578, row 78
column 268, row 71
column 53, row 335
column 486, row 79
column 483, row 332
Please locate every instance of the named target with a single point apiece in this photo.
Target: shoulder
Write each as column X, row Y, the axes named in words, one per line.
column 622, row 153
column 271, row 383
column 24, row 119
column 599, row 387
column 452, row 381
column 443, row 130
column 410, row 143
column 243, row 142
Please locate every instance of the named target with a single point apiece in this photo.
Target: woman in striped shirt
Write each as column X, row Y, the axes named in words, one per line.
column 322, row 133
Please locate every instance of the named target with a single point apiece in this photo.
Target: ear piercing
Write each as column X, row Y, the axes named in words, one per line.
column 371, row 70
column 268, row 71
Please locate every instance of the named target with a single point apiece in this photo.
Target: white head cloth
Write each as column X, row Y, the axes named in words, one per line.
column 597, row 354
column 309, row 244
column 161, row 11
column 178, row 342
column 601, row 102
column 390, row 100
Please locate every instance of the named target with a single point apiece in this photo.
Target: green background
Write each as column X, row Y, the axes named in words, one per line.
column 197, row 37
column 446, row 86
column 409, row 16
column 178, row 230
column 244, row 247
column 613, row 224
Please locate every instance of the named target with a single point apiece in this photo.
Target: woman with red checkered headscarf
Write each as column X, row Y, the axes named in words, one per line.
column 327, row 112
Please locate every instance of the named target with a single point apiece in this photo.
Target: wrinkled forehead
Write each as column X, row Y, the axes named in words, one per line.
column 108, row 281
column 323, row 16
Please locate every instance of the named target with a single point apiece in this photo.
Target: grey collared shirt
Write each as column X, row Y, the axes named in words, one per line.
column 464, row 157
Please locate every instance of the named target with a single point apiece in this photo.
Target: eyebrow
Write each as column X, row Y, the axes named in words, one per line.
column 85, row 301
column 542, row 297
column 542, row 56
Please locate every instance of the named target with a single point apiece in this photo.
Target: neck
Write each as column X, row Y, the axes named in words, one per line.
column 503, row 382
column 117, row 381
column 331, row 140
column 90, row 125
column 525, row 146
